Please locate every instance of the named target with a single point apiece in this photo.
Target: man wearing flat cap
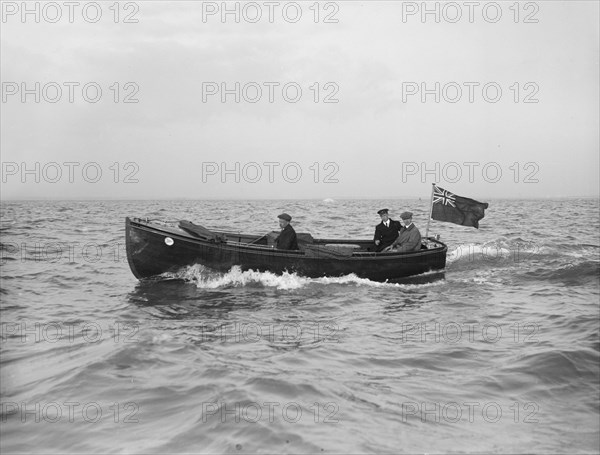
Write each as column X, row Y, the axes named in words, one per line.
column 287, row 239
column 409, row 238
column 386, row 231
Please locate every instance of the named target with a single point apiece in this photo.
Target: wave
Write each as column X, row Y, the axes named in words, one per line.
column 206, row 278
column 520, row 250
column 495, row 251
column 586, row 272
column 574, row 368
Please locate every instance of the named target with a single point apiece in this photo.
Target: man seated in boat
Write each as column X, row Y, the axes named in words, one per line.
column 287, row 239
column 386, row 231
column 409, row 238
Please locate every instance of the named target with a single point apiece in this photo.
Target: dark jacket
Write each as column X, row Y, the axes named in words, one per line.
column 287, row 239
column 408, row 240
column 386, row 235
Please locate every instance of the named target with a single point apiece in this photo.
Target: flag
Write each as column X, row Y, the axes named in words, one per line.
column 449, row 207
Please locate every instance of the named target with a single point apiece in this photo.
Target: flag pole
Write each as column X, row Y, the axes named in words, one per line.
column 430, row 210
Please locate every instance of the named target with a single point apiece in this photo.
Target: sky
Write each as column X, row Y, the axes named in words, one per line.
column 299, row 100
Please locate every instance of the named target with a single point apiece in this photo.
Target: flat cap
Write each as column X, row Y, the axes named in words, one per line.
column 285, row 216
column 406, row 215
column 382, row 211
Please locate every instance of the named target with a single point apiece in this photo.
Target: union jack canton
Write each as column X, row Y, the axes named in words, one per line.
column 444, row 197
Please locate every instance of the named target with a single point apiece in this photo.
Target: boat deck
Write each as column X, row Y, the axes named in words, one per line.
column 307, row 244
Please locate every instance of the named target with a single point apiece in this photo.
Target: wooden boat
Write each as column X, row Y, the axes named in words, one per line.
column 155, row 248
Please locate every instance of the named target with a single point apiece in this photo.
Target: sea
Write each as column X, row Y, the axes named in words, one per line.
column 499, row 355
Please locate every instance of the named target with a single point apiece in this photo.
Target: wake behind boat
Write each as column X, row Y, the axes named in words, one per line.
column 154, row 248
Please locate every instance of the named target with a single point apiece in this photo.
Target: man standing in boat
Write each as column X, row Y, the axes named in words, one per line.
column 409, row 238
column 386, row 231
column 287, row 239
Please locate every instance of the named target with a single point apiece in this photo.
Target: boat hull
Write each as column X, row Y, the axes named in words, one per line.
column 156, row 249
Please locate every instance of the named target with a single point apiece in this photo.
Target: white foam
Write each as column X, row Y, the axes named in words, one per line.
column 206, row 278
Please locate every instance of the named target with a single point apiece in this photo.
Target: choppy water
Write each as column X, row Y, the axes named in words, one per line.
column 500, row 356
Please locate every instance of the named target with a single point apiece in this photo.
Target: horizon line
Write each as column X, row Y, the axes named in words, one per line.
column 345, row 198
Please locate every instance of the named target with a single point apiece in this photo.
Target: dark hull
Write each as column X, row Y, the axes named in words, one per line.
column 149, row 254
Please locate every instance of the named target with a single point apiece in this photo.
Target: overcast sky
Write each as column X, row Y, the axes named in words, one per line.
column 378, row 136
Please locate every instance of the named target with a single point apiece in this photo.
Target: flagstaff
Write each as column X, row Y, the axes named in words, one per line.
column 430, row 209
